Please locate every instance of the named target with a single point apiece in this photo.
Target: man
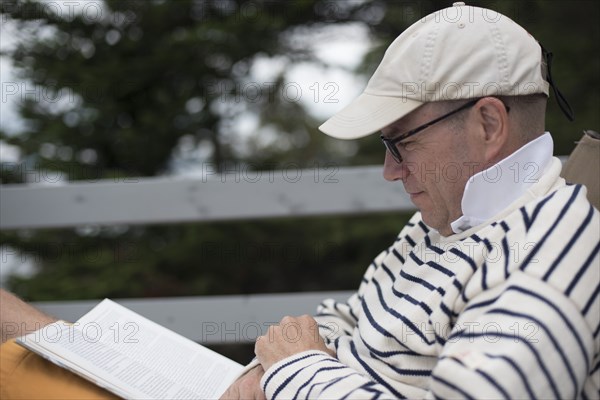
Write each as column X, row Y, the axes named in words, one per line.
column 491, row 290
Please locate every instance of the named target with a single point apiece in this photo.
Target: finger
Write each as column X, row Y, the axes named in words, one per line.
column 228, row 394
column 258, row 345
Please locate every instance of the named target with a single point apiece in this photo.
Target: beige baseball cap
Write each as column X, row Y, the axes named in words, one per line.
column 459, row 52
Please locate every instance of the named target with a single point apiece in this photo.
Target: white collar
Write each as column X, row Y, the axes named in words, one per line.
column 492, row 190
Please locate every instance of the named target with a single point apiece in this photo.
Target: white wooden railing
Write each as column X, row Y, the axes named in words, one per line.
column 237, row 194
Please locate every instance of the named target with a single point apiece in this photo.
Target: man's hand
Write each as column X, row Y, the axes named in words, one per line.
column 247, row 386
column 293, row 335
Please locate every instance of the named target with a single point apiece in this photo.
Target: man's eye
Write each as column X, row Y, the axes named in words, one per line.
column 404, row 145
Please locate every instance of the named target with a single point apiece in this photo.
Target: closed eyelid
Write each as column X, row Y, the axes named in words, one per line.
column 393, row 135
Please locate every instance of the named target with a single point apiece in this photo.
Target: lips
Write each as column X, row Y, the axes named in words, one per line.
column 414, row 195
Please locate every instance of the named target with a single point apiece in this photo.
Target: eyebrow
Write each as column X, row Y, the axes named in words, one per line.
column 394, row 133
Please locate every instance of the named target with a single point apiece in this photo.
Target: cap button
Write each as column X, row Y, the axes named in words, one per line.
column 458, row 4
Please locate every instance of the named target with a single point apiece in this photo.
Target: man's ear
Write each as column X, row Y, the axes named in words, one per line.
column 492, row 116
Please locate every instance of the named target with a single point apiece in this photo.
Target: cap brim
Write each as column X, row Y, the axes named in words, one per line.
column 367, row 114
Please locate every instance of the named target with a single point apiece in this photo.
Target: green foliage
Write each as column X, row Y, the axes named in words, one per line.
column 210, row 258
column 146, row 77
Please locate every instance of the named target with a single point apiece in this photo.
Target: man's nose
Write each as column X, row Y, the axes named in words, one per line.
column 393, row 170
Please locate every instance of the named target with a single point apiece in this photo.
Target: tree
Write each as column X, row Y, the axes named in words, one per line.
column 122, row 90
column 134, row 88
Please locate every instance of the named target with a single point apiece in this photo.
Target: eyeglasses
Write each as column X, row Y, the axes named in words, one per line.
column 391, row 144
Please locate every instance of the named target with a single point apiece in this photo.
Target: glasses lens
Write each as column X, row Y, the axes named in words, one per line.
column 391, row 147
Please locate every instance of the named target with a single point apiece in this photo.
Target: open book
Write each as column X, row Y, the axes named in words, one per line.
column 134, row 357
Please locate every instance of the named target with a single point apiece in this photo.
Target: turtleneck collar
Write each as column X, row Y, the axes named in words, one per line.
column 492, row 190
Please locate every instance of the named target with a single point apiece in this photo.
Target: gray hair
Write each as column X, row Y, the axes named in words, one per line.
column 526, row 112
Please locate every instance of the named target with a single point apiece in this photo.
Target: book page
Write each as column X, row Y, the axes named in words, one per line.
column 133, row 356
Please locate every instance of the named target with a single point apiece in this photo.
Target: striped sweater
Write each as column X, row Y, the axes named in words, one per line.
column 507, row 309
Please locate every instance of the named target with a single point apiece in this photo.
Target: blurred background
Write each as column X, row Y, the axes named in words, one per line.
column 125, row 88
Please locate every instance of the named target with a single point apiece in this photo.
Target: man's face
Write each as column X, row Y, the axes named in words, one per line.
column 436, row 164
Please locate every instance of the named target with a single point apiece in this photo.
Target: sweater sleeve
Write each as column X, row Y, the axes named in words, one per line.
column 338, row 319
column 316, row 375
column 524, row 339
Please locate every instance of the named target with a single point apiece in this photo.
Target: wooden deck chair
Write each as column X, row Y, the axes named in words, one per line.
column 583, row 166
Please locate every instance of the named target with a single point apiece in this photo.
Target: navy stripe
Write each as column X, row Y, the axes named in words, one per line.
column 447, row 311
column 550, row 336
column 583, row 269
column 367, row 387
column 388, row 272
column 383, row 354
column 476, row 238
column 528, row 292
column 427, row 240
column 351, row 311
column 484, row 269
column 536, row 211
column 493, row 382
column 452, row 386
column 488, row 245
column 518, row 370
column 374, row 374
column 380, row 354
column 504, row 226
column 436, row 249
column 464, row 298
column 482, row 303
column 409, row 240
column 378, row 327
column 571, row 242
column 422, row 282
column 457, row 284
column 325, row 314
column 539, row 244
column 507, row 255
column 438, row 267
column 396, row 314
column 596, row 368
column 486, row 335
column 305, row 384
column 439, row 339
column 398, row 256
column 525, row 218
column 462, row 255
column 588, row 305
column 423, row 226
column 332, row 383
column 485, row 376
column 411, row 300
column 344, row 331
column 286, row 365
column 574, row 331
column 415, row 258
